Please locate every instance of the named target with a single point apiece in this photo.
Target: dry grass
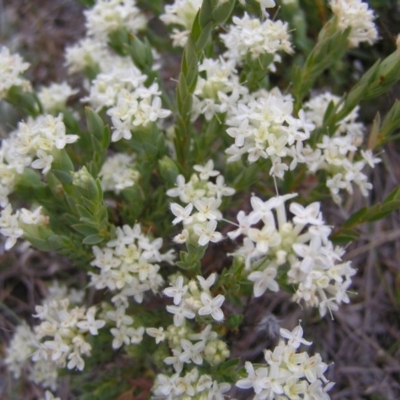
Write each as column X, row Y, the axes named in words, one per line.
column 363, row 339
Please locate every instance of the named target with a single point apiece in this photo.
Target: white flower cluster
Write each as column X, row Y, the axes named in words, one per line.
column 13, row 226
column 182, row 14
column 194, row 297
column 128, row 264
column 55, row 96
column 124, row 332
column 118, row 85
column 263, row 126
column 118, row 172
column 136, row 109
column 109, row 15
column 32, row 144
column 87, row 53
column 251, row 36
column 356, row 15
column 92, row 51
column 263, row 5
column 217, row 88
column 300, row 245
column 191, row 385
column 339, row 155
column 18, row 355
column 289, row 375
column 20, row 349
column 50, row 396
column 11, row 67
column 67, row 328
column 203, row 195
column 59, row 322
column 190, row 348
column 117, row 74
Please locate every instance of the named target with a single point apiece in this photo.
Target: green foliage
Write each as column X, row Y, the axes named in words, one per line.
column 80, row 215
column 348, row 233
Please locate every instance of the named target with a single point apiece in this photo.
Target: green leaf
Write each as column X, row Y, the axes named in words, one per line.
column 371, row 214
column 92, row 239
column 26, row 102
column 62, row 176
column 89, row 204
column 246, row 177
column 187, row 262
column 390, row 124
column 39, row 244
column 62, row 161
column 345, row 236
column 204, row 37
column 94, row 123
column 227, row 371
column 205, row 13
column 220, row 14
column 88, row 221
column 85, row 229
column 119, row 40
column 190, row 64
column 356, row 218
column 57, row 242
column 30, row 179
column 234, row 321
column 84, row 212
column 87, row 3
column 394, row 195
column 386, row 76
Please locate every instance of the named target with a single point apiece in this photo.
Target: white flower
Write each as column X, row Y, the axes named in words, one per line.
column 154, row 111
column 207, row 209
column 266, row 3
column 306, row 215
column 109, row 15
column 181, row 13
column 264, row 280
column 212, row 306
column 206, row 171
column 11, row 67
column 256, row 379
column 55, row 96
column 122, row 335
column 182, row 214
column 9, row 227
column 254, row 37
column 136, row 335
column 368, row 156
column 91, row 324
column 182, row 237
column 295, row 338
column 56, row 347
column 356, row 15
column 122, row 129
column 191, row 352
column 119, row 317
column 207, row 233
column 207, row 283
column 49, row 396
column 176, row 291
column 157, row 333
column 75, row 361
column 32, row 217
column 265, row 238
column 43, row 162
column 180, row 187
column 180, row 312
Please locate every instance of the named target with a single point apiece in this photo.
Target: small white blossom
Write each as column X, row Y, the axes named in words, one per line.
column 212, row 306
